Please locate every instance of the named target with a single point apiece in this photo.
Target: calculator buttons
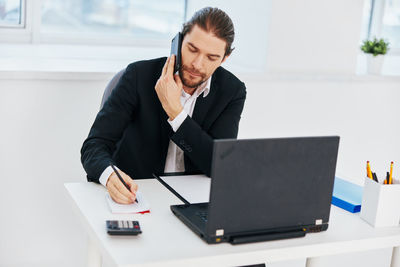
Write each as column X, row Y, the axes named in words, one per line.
column 123, row 227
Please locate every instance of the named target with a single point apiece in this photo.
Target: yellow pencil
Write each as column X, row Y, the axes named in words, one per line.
column 391, row 172
column 369, row 173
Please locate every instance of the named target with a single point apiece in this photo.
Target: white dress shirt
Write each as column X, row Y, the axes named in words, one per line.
column 175, row 156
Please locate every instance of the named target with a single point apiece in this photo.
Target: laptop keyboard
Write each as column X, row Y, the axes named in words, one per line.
column 203, row 215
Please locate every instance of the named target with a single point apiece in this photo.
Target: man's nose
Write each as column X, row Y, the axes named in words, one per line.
column 197, row 63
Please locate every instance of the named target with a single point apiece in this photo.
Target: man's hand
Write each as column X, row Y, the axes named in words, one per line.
column 169, row 89
column 118, row 192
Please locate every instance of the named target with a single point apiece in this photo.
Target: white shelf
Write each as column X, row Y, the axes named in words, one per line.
column 76, row 62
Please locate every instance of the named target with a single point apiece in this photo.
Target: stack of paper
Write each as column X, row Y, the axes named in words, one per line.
column 142, row 206
column 347, row 195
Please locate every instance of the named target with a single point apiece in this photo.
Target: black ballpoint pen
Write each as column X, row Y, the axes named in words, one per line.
column 120, row 178
column 375, row 177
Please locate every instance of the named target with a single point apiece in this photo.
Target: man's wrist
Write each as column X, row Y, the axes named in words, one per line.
column 175, row 113
column 177, row 122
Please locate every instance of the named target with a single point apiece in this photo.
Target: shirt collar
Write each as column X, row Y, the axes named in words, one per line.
column 204, row 87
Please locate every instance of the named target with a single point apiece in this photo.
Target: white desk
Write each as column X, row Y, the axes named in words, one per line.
column 166, row 241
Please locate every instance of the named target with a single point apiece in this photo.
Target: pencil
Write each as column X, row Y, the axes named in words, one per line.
column 369, row 173
column 391, row 173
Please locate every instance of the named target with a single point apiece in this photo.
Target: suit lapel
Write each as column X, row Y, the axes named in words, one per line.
column 203, row 104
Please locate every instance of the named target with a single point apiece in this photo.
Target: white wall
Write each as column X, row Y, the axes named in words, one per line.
column 43, row 125
column 308, row 36
column 362, row 112
column 318, row 36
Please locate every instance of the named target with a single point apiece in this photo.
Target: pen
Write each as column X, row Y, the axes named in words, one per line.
column 375, row 177
column 387, row 178
column 391, row 173
column 122, row 180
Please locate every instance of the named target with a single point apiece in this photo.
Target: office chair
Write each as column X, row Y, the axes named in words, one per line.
column 110, row 86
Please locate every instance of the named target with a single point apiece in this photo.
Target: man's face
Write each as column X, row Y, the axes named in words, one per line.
column 202, row 53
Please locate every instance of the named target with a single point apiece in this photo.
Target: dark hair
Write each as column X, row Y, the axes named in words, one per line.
column 212, row 19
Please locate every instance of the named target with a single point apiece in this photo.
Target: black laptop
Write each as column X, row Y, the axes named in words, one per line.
column 265, row 189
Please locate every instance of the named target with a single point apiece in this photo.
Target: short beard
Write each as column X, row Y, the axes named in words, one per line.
column 188, row 83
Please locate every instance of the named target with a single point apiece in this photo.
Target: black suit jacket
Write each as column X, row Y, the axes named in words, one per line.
column 132, row 130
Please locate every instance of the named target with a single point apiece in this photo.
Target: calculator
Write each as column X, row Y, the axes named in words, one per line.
column 122, row 227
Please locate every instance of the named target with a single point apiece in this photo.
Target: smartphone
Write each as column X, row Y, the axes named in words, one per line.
column 176, row 45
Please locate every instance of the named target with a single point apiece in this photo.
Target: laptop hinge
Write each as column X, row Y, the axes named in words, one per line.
column 267, row 236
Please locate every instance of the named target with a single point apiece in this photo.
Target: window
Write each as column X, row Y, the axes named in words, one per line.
column 366, row 21
column 12, row 13
column 116, row 22
column 135, row 18
column 391, row 23
column 382, row 19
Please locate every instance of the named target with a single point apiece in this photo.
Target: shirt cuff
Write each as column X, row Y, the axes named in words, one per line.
column 105, row 175
column 176, row 123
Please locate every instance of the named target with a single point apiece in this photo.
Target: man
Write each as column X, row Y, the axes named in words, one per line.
column 156, row 121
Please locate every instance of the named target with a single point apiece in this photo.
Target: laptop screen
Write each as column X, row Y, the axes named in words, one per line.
column 262, row 184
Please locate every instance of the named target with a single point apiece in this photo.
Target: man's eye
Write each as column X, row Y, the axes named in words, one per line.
column 212, row 59
column 192, row 50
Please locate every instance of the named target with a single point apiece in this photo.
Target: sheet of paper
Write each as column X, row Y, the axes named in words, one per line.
column 141, row 206
column 194, row 188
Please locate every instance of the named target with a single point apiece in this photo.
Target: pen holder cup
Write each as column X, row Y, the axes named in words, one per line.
column 380, row 205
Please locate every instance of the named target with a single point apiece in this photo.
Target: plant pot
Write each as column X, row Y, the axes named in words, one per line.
column 374, row 64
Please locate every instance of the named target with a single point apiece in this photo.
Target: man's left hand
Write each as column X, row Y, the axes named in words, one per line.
column 169, row 89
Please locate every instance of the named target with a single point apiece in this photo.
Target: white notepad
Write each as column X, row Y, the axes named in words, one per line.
column 141, row 206
column 193, row 188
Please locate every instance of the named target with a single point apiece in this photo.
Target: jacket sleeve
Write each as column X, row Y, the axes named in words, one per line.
column 109, row 125
column 197, row 144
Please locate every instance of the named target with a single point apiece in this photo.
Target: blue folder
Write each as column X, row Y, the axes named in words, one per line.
column 347, row 195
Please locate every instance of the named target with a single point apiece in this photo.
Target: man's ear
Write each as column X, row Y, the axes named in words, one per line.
column 225, row 58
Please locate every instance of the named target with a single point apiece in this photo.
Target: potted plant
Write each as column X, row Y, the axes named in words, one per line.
column 375, row 50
